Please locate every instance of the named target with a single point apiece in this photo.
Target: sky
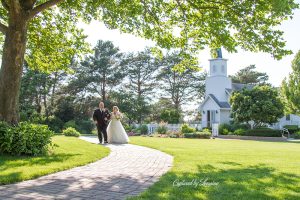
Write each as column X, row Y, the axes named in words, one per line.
column 277, row 70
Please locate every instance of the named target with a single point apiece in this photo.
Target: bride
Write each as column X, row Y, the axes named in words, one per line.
column 115, row 130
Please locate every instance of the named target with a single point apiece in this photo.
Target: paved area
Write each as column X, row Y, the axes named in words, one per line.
column 127, row 171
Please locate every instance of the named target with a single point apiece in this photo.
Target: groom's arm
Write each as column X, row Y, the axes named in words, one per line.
column 108, row 115
column 95, row 116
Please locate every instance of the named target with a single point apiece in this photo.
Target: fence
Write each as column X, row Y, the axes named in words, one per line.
column 171, row 127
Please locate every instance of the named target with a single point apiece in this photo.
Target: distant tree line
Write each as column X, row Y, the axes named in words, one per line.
column 145, row 88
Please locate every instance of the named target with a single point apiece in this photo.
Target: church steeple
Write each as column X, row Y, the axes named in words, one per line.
column 217, row 82
column 218, row 65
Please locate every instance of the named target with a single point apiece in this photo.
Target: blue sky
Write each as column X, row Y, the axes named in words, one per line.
column 277, row 70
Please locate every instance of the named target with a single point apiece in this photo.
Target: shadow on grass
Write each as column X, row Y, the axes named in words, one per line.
column 253, row 182
column 20, row 162
column 7, row 161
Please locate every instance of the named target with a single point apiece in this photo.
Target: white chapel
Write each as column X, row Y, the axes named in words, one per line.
column 218, row 87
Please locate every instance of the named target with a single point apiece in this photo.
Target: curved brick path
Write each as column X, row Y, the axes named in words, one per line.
column 127, row 171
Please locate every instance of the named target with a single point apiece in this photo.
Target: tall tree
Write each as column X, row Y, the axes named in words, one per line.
column 290, row 88
column 248, row 75
column 38, row 90
column 99, row 73
column 182, row 86
column 53, row 37
column 141, row 72
column 262, row 105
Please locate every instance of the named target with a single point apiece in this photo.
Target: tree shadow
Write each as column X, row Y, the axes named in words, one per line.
column 21, row 162
column 8, row 161
column 252, row 182
column 114, row 187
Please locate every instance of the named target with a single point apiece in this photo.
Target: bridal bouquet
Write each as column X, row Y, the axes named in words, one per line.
column 118, row 116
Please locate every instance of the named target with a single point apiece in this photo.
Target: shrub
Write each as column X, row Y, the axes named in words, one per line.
column 25, row 139
column 188, row 135
column 162, row 128
column 6, row 137
column 239, row 131
column 85, row 126
column 224, row 129
column 197, row 135
column 174, row 134
column 136, row 131
column 297, row 135
column 71, row 132
column 71, row 124
column 292, row 128
column 206, row 135
column 144, row 129
column 55, row 124
column 206, row 130
column 185, row 128
column 264, row 132
column 225, row 132
column 128, row 127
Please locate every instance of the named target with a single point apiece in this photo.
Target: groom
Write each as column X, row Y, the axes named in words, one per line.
column 101, row 116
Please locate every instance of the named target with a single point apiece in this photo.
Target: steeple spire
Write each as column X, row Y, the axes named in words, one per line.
column 219, row 53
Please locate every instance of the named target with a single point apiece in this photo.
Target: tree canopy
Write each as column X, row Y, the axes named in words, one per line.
column 53, row 35
column 290, row 88
column 45, row 32
column 261, row 105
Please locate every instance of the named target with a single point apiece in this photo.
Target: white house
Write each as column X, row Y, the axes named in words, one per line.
column 218, row 87
column 290, row 119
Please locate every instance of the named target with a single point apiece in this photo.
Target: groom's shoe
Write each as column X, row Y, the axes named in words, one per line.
column 105, row 142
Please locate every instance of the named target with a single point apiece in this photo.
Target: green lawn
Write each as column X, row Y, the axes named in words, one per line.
column 70, row 152
column 242, row 169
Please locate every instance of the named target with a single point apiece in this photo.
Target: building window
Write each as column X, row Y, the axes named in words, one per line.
column 214, row 68
column 223, row 69
column 288, row 117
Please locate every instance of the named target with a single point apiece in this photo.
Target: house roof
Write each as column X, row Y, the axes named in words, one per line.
column 221, row 104
column 228, row 90
column 240, row 86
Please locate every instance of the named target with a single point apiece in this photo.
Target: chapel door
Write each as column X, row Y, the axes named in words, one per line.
column 208, row 118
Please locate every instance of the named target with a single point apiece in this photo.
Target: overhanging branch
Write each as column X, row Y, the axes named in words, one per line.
column 39, row 8
column 3, row 28
column 5, row 4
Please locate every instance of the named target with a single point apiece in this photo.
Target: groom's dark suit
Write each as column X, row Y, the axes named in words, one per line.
column 102, row 118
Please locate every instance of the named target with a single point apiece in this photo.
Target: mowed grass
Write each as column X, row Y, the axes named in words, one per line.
column 69, row 153
column 226, row 169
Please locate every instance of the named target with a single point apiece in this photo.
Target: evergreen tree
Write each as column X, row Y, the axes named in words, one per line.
column 141, row 71
column 290, row 88
column 100, row 73
column 248, row 75
column 183, row 86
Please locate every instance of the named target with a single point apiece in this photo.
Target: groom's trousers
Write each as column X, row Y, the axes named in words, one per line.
column 102, row 130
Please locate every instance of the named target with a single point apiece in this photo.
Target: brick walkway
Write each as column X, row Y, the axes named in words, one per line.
column 127, row 171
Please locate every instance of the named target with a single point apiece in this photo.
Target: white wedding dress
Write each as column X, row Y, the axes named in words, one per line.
column 116, row 132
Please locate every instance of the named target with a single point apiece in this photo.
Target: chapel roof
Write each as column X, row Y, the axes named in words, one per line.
column 221, row 104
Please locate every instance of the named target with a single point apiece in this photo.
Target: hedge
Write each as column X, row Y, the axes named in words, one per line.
column 263, row 132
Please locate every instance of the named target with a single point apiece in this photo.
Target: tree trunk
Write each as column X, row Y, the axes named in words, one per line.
column 12, row 65
column 54, row 89
column 45, row 99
